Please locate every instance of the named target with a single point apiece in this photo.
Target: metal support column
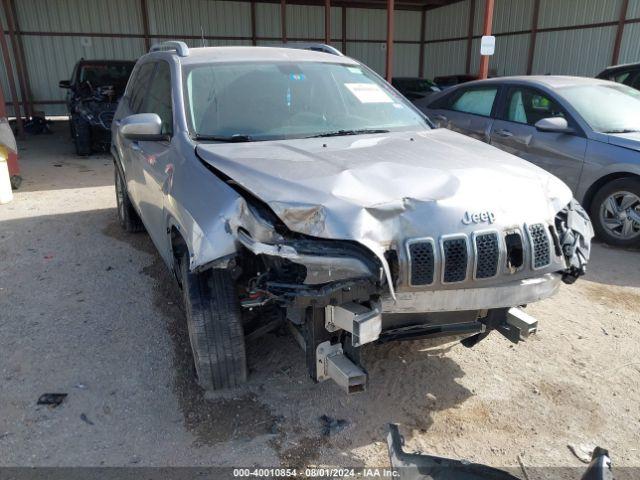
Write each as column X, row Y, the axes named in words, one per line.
column 327, row 21
column 620, row 32
column 254, row 37
column 534, row 35
column 145, row 24
column 423, row 27
column 390, row 14
column 12, row 84
column 488, row 24
column 283, row 19
column 472, row 12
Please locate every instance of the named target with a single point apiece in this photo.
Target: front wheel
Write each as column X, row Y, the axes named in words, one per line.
column 615, row 212
column 215, row 327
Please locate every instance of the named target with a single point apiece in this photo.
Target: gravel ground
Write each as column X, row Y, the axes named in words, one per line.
column 90, row 311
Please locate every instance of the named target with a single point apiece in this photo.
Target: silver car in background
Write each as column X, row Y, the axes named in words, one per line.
column 585, row 131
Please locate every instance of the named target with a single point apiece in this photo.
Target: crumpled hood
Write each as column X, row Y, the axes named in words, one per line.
column 626, row 140
column 388, row 186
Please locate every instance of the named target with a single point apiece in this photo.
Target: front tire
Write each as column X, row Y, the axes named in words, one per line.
column 215, row 327
column 615, row 212
column 127, row 216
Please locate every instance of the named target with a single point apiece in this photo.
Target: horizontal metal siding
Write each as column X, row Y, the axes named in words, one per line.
column 574, row 52
column 112, row 16
column 406, row 25
column 405, row 60
column 446, row 58
column 450, row 21
column 51, row 59
column 194, row 17
column 564, row 13
column 366, row 24
column 630, row 46
column 371, row 54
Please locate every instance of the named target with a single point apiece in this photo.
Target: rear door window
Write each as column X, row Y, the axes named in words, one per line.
column 478, row 101
column 528, row 106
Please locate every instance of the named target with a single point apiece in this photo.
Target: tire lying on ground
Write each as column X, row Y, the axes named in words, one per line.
column 215, row 327
column 127, row 216
column 615, row 212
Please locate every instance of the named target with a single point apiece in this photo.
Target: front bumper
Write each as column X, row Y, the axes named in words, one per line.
column 519, row 292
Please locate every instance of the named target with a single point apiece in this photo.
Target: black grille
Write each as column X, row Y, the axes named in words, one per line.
column 540, row 241
column 422, row 263
column 455, row 260
column 488, row 253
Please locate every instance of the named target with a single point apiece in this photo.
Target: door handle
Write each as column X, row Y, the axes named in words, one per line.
column 504, row 133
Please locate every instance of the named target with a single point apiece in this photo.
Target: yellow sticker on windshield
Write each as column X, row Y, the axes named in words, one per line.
column 368, row 93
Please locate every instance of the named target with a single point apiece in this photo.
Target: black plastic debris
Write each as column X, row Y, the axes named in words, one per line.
column 51, row 399
column 332, row 426
column 85, row 419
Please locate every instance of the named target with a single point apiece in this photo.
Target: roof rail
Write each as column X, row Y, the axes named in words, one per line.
column 316, row 47
column 180, row 47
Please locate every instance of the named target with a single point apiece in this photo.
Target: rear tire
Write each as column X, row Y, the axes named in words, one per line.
column 615, row 212
column 127, row 215
column 215, row 327
column 81, row 137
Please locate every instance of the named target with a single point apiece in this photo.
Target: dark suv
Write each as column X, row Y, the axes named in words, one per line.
column 627, row 74
column 93, row 93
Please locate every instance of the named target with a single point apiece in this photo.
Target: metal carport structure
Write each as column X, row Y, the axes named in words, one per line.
column 42, row 39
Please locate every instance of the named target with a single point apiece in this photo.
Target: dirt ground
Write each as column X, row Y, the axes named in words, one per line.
column 90, row 311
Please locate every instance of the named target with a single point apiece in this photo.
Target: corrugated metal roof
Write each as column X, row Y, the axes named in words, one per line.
column 112, row 16
column 191, row 17
column 574, row 52
column 564, row 13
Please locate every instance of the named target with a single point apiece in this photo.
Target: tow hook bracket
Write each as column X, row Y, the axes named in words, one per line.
column 364, row 324
column 332, row 363
column 519, row 325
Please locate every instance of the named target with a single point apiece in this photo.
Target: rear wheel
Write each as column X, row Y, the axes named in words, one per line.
column 215, row 327
column 127, row 216
column 615, row 212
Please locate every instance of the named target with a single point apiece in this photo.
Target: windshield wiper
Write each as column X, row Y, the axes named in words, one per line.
column 236, row 137
column 340, row 133
column 622, row 130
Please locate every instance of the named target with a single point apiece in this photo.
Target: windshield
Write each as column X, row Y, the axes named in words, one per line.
column 606, row 108
column 99, row 74
column 267, row 101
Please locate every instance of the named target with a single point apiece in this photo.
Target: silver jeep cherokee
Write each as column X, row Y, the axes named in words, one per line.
column 292, row 186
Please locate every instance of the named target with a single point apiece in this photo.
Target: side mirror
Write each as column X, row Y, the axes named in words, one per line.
column 142, row 126
column 64, row 84
column 554, row 125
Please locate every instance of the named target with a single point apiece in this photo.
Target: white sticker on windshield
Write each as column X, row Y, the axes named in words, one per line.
column 368, row 93
column 355, row 70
